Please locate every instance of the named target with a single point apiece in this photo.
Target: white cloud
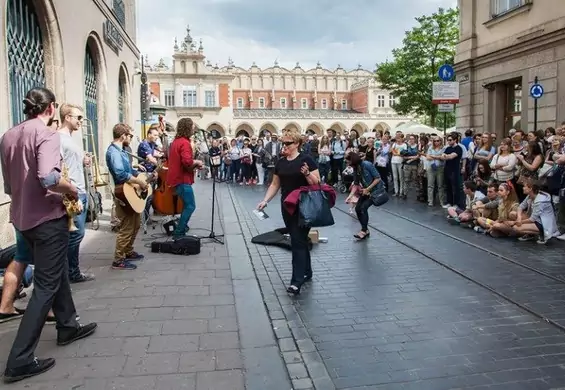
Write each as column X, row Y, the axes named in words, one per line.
column 332, row 32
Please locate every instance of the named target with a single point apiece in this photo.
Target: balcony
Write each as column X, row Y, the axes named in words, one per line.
column 119, row 10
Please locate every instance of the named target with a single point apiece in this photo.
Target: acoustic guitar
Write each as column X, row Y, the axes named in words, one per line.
column 132, row 195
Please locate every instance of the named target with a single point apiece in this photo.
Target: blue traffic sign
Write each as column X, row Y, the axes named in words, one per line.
column 536, row 91
column 446, row 72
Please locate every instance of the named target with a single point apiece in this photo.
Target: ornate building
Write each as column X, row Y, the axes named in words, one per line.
column 232, row 100
column 83, row 50
column 503, row 46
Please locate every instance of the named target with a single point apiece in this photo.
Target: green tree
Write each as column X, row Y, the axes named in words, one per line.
column 415, row 65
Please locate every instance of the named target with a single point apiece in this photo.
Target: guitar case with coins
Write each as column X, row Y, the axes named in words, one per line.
column 185, row 246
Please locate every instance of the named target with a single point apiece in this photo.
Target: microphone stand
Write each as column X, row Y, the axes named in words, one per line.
column 218, row 238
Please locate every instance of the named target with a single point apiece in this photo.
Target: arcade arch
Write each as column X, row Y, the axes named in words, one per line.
column 360, row 128
column 338, row 126
column 315, row 128
column 381, row 127
column 216, row 130
column 268, row 127
column 245, row 129
column 293, row 125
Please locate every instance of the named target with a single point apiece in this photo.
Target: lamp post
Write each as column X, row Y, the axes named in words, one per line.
column 143, row 98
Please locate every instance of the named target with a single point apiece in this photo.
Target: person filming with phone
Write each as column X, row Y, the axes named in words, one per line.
column 292, row 171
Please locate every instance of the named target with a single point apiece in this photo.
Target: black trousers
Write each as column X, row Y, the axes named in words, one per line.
column 454, row 189
column 301, row 261
column 49, row 242
column 362, row 211
column 336, row 167
column 383, row 172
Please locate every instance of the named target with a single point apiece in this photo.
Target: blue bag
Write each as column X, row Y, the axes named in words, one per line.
column 315, row 210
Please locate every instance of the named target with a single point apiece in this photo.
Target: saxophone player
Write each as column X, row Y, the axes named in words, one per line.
column 74, row 160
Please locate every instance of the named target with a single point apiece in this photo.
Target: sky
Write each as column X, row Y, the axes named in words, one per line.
column 334, row 32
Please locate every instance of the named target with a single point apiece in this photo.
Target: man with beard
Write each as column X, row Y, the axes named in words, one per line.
column 31, row 165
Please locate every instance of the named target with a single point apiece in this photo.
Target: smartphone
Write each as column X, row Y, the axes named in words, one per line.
column 260, row 214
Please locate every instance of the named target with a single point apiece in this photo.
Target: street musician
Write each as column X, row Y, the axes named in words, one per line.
column 147, row 150
column 120, row 168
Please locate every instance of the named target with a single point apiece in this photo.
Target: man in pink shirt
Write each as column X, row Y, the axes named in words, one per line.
column 31, row 165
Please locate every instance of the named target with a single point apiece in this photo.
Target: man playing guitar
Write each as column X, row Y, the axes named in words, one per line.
column 181, row 172
column 122, row 172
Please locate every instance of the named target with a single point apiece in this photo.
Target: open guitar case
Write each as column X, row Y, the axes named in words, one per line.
column 277, row 238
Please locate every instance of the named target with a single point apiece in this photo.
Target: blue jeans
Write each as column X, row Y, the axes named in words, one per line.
column 75, row 238
column 185, row 192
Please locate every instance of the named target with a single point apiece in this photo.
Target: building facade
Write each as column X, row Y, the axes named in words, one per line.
column 83, row 50
column 231, row 100
column 503, row 46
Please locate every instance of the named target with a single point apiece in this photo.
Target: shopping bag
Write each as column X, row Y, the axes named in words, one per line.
column 314, row 208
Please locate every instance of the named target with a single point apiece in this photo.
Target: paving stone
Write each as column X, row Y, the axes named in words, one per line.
column 228, row 359
column 176, row 382
column 231, row 379
column 152, row 364
column 185, row 327
column 197, row 361
column 214, row 341
column 173, row 343
column 388, row 317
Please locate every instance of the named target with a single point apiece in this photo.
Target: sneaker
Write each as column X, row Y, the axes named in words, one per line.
column 479, row 229
column 134, row 256
column 124, row 265
column 82, row 278
column 445, row 206
column 527, row 237
column 542, row 241
column 561, row 237
column 454, row 221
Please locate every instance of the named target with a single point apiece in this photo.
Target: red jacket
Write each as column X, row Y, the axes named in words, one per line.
column 180, row 162
column 292, row 200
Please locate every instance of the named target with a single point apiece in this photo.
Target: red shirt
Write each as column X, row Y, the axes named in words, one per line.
column 180, row 161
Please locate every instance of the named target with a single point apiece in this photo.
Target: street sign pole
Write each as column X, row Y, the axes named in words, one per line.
column 535, row 108
column 536, row 92
column 444, row 125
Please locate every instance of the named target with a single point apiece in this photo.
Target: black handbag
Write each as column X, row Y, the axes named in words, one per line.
column 314, row 209
column 379, row 196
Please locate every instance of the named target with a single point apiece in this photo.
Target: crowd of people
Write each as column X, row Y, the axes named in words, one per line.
column 455, row 172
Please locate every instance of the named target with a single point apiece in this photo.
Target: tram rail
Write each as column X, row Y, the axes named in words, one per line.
column 462, row 274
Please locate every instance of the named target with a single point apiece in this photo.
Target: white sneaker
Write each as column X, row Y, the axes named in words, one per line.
column 446, row 206
column 561, row 237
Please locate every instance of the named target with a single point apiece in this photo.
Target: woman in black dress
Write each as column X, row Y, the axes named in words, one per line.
column 292, row 171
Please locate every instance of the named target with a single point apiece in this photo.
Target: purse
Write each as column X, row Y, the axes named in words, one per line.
column 314, row 208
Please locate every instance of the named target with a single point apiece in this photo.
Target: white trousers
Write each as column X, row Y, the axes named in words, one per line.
column 260, row 173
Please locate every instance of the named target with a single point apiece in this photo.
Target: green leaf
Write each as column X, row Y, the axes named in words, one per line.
column 415, row 65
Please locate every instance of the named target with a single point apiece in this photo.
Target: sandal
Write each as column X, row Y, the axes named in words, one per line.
column 362, row 235
column 292, row 289
column 5, row 317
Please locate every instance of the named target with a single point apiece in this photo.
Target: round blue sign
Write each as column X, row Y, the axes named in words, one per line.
column 446, row 72
column 536, row 91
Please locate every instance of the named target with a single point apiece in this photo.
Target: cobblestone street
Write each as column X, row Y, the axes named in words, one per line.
column 170, row 325
column 415, row 308
column 420, row 305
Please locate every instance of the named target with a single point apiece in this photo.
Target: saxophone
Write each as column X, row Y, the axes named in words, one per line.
column 72, row 207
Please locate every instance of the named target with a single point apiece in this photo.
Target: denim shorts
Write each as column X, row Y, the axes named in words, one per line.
column 24, row 254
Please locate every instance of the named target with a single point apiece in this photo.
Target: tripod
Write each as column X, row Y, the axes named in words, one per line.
column 215, row 163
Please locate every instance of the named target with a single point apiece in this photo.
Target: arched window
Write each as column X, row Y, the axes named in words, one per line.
column 122, row 102
column 26, row 64
column 91, row 99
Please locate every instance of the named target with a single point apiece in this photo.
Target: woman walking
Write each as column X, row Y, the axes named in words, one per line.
column 368, row 179
column 292, row 171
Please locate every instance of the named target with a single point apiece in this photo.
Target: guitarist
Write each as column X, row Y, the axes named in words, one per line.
column 122, row 172
column 181, row 172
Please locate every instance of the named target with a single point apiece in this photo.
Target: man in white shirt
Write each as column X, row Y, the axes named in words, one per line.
column 75, row 160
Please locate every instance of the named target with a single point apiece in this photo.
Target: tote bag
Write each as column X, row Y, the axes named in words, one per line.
column 314, row 208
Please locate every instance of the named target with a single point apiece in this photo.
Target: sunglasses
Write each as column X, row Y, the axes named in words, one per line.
column 288, row 143
column 79, row 117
